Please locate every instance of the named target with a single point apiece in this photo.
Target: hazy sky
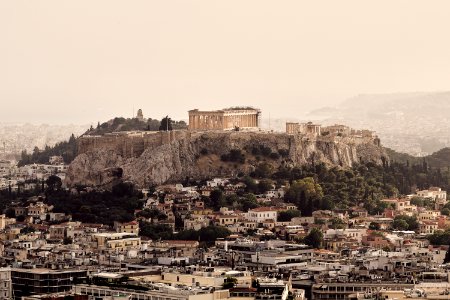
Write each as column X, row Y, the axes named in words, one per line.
column 83, row 61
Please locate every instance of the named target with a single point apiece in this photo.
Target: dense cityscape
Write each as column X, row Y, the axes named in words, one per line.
column 320, row 230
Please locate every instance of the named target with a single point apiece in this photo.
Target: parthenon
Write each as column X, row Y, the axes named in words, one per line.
column 224, row 119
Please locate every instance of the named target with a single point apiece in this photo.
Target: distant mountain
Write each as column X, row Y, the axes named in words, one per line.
column 439, row 159
column 413, row 123
column 17, row 137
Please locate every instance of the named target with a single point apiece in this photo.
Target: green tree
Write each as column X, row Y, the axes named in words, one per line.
column 264, row 185
column 314, row 238
column 212, row 233
column 54, row 183
column 374, row 226
column 155, row 231
column 418, row 201
column 166, row 124
column 250, row 185
column 440, row 238
column 337, row 223
column 306, row 194
column 154, row 214
column 400, row 224
column 217, row 199
column 405, row 223
column 249, row 201
column 288, row 215
column 207, row 234
column 235, row 155
column 263, row 170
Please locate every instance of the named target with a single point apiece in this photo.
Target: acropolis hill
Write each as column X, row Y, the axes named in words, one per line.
column 146, row 158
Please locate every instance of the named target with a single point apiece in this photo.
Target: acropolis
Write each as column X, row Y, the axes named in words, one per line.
column 225, row 119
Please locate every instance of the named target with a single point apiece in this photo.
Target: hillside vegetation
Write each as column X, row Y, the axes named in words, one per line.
column 68, row 149
column 439, row 159
column 123, row 124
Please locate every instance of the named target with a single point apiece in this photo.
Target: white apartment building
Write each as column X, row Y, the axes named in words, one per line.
column 262, row 214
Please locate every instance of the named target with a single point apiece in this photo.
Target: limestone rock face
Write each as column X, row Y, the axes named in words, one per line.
column 197, row 156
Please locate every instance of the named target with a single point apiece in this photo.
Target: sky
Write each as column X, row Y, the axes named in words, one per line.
column 85, row 61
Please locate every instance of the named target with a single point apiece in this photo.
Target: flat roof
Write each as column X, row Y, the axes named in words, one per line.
column 45, row 270
column 115, row 234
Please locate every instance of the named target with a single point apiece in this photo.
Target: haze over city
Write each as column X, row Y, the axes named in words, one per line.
column 87, row 61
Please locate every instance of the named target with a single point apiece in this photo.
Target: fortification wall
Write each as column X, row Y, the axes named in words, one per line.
column 129, row 145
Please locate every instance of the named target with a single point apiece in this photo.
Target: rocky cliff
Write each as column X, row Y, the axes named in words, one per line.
column 197, row 155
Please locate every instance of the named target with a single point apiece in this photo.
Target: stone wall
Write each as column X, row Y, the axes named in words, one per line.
column 129, row 145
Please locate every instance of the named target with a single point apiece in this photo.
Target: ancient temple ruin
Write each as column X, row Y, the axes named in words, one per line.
column 225, row 119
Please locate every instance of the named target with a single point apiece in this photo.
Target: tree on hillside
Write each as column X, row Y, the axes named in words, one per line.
column 166, row 124
column 66, row 149
column 306, row 194
column 288, row 215
column 53, row 183
column 405, row 223
column 217, row 199
column 264, row 185
column 314, row 238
